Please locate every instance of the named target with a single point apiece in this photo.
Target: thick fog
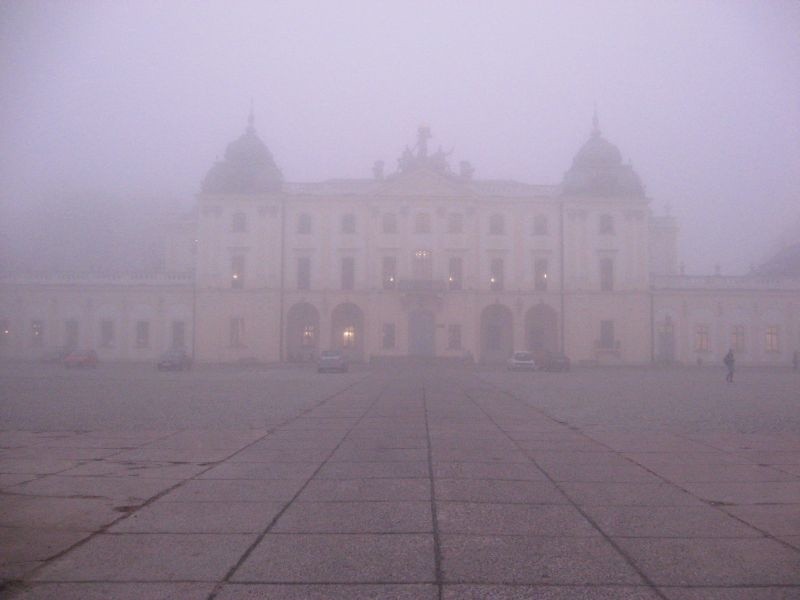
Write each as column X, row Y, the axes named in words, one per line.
column 112, row 112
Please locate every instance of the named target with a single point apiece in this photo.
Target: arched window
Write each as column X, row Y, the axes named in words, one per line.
column 497, row 225
column 422, row 223
column 239, row 222
column 606, row 225
column 304, row 223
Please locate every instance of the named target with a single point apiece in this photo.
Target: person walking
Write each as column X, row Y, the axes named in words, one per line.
column 730, row 362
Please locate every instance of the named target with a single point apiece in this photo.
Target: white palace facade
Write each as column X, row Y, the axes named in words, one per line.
column 423, row 261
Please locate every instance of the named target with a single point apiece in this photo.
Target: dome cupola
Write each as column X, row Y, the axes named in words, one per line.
column 597, row 170
column 248, row 167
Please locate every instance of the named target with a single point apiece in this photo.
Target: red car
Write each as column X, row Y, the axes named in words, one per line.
column 81, row 358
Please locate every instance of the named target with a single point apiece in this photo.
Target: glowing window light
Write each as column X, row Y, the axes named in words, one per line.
column 349, row 336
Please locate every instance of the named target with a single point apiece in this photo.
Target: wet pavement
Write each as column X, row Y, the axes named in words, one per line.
column 428, row 482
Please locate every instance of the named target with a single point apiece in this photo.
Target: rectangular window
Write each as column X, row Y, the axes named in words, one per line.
column 607, row 334
column 237, row 272
column 389, row 223
column 388, row 336
column 455, row 276
column 606, row 225
column 737, row 338
column 540, row 225
column 71, row 333
column 496, row 274
column 349, row 223
column 142, row 334
column 349, row 337
column 454, row 336
column 422, row 265
column 303, row 273
column 606, row 274
column 309, row 335
column 422, row 223
column 389, row 272
column 771, row 341
column 540, row 274
column 348, row 273
column 178, row 334
column 701, row 338
column 106, row 334
column 236, row 332
column 455, row 223
column 37, row 334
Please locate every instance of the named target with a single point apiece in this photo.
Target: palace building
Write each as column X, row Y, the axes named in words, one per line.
column 426, row 260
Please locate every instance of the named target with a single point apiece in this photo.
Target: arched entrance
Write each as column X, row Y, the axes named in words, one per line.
column 302, row 332
column 497, row 334
column 541, row 329
column 421, row 333
column 347, row 330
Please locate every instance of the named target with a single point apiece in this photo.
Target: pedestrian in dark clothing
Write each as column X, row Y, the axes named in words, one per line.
column 730, row 362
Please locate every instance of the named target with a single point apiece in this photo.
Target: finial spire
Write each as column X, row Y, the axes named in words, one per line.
column 251, row 119
column 595, row 122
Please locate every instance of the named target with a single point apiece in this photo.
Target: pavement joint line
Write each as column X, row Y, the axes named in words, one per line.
column 710, row 503
column 574, row 504
column 12, row 583
column 259, row 538
column 437, row 547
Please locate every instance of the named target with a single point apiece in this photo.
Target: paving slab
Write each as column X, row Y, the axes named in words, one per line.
column 83, row 514
column 720, row 562
column 732, row 593
column 236, row 591
column 340, row 558
column 149, row 557
column 499, row 491
column 234, row 490
column 356, row 517
column 368, row 490
column 117, row 591
column 547, row 592
column 534, row 560
column 628, row 494
column 200, row 517
column 668, row 521
column 512, row 519
column 133, row 490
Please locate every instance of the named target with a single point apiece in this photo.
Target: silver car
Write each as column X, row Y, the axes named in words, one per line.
column 521, row 361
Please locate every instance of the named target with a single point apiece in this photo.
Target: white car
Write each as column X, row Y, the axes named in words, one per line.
column 521, row 361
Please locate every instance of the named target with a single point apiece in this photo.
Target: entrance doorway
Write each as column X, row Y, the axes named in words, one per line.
column 421, row 333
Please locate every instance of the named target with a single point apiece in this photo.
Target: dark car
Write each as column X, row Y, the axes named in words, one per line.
column 81, row 358
column 521, row 361
column 332, row 360
column 553, row 361
column 55, row 355
column 175, row 359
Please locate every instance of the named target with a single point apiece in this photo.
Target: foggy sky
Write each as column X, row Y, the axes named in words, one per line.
column 138, row 99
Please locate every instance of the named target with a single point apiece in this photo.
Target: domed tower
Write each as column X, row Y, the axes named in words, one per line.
column 597, row 170
column 248, row 167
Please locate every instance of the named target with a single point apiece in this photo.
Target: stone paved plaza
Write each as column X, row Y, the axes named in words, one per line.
column 399, row 483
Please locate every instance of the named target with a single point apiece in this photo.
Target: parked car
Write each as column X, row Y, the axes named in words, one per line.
column 332, row 360
column 81, row 358
column 553, row 361
column 55, row 355
column 175, row 359
column 521, row 361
